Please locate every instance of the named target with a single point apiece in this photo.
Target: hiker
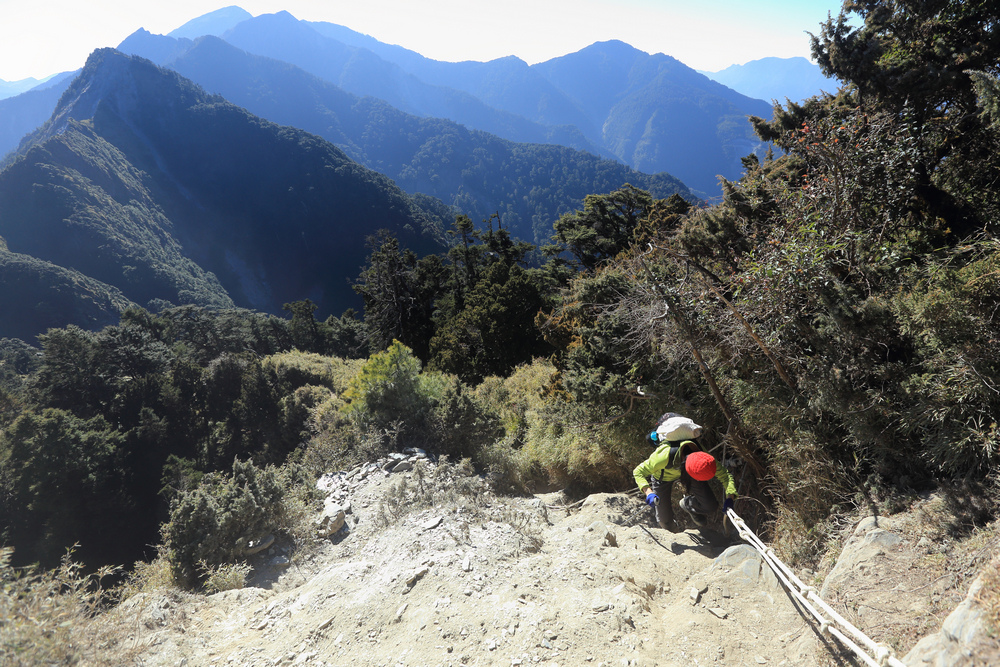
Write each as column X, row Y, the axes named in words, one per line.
column 679, row 456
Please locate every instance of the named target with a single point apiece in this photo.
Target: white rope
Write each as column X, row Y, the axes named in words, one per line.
column 883, row 654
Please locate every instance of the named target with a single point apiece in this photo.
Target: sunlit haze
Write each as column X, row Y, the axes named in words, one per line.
column 42, row 38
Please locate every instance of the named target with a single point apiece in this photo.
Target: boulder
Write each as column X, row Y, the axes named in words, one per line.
column 331, row 520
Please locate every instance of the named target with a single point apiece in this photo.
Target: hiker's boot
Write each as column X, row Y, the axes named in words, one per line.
column 687, row 504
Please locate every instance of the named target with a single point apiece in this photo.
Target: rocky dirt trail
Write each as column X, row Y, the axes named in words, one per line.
column 481, row 580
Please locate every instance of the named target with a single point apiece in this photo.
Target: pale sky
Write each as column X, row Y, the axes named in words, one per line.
column 39, row 38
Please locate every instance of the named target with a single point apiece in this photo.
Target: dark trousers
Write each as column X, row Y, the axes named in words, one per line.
column 703, row 499
column 665, row 508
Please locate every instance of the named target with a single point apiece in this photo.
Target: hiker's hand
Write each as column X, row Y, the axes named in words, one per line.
column 727, row 505
column 652, row 499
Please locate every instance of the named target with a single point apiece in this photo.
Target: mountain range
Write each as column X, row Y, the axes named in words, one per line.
column 649, row 111
column 249, row 169
column 780, row 79
column 144, row 189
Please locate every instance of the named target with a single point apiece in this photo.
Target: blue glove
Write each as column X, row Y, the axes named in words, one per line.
column 652, row 499
column 727, row 505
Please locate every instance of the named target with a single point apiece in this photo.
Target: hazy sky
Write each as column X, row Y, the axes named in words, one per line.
column 43, row 37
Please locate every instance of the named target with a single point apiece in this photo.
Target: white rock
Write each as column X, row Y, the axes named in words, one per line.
column 331, row 520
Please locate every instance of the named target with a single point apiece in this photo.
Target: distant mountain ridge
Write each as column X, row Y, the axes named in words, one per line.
column 660, row 106
column 577, row 89
column 157, row 192
column 779, row 79
column 528, row 185
column 652, row 113
column 12, row 88
column 214, row 23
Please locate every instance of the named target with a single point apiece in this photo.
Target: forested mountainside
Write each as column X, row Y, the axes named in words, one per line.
column 144, row 182
column 646, row 110
column 650, row 112
column 527, row 185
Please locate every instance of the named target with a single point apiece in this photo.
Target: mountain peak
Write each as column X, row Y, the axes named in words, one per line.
column 115, row 80
column 214, row 23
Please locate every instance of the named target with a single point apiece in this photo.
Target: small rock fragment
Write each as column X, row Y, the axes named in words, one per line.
column 433, row 523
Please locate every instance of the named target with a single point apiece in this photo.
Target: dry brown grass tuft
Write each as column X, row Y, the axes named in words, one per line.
column 989, row 597
column 50, row 617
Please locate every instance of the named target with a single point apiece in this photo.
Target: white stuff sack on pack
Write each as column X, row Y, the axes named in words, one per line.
column 678, row 428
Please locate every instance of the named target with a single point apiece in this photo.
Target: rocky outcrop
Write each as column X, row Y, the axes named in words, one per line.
column 964, row 639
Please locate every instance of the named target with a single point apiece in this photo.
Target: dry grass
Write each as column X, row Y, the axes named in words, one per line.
column 50, row 617
column 989, row 597
column 226, row 577
column 154, row 576
column 443, row 485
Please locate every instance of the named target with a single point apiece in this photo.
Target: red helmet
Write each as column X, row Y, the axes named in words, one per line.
column 700, row 465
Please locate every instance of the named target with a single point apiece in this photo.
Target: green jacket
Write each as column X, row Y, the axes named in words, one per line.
column 665, row 465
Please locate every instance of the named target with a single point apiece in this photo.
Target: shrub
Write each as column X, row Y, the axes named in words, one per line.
column 539, row 447
column 146, row 577
column 296, row 412
column 212, row 524
column 390, row 388
column 296, row 369
column 461, row 426
column 227, row 577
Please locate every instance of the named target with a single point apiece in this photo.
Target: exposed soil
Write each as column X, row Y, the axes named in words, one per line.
column 482, row 580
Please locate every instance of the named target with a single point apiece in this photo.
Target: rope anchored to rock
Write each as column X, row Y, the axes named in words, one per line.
column 830, row 622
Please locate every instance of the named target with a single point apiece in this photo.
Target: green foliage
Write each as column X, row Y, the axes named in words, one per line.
column 211, row 525
column 547, row 440
column 887, row 59
column 949, row 313
column 890, row 53
column 495, row 330
column 65, row 481
column 388, row 390
column 604, row 227
column 398, row 294
column 296, row 369
column 988, row 93
column 96, row 424
column 460, row 425
column 344, row 336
